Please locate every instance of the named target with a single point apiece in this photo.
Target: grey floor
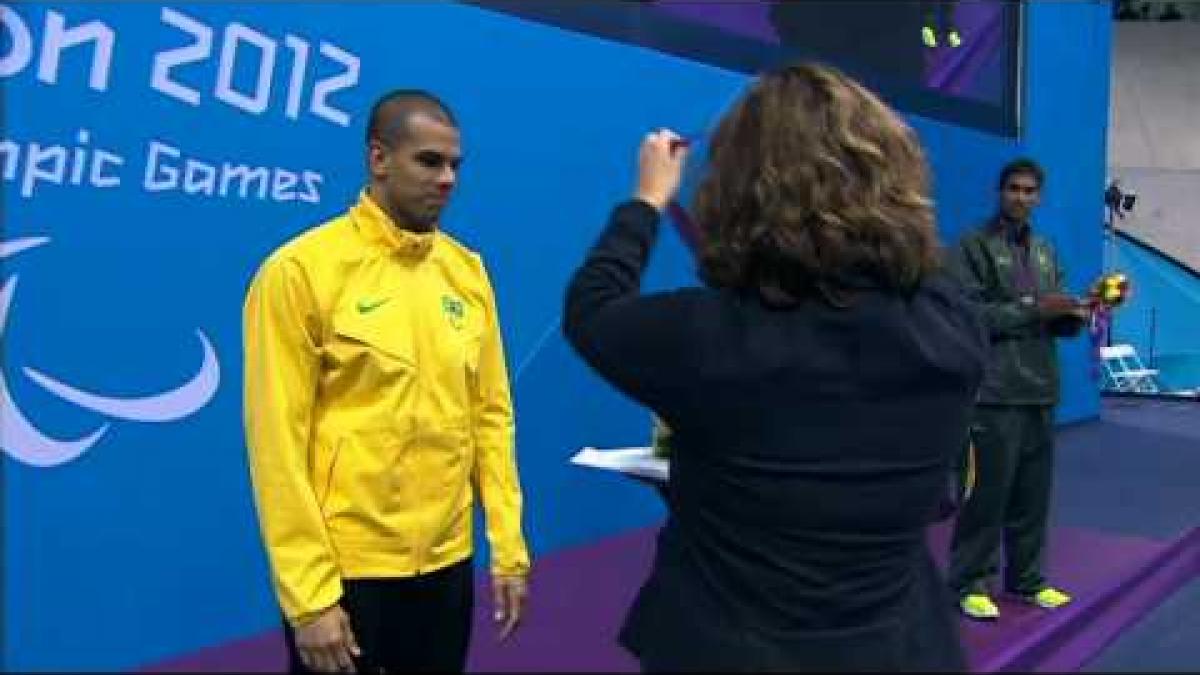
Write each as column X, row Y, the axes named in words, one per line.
column 1168, row 639
column 1136, row 471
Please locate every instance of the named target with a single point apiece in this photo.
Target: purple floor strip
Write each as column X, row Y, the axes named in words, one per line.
column 578, row 600
column 263, row 653
column 1086, row 563
column 580, row 596
column 1119, row 609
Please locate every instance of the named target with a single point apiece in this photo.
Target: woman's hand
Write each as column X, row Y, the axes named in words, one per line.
column 660, row 167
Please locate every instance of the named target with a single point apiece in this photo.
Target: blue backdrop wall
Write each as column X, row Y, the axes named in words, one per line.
column 152, row 156
column 1159, row 318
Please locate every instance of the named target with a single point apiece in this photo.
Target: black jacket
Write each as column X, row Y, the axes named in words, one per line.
column 1023, row 360
column 811, row 449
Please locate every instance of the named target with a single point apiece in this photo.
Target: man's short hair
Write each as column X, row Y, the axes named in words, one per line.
column 1022, row 165
column 391, row 113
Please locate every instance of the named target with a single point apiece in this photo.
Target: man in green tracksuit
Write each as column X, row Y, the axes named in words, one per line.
column 1016, row 278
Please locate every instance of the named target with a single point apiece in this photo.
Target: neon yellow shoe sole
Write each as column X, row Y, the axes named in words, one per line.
column 1049, row 598
column 928, row 37
column 979, row 606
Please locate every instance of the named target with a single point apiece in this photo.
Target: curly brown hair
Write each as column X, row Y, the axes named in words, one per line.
column 813, row 182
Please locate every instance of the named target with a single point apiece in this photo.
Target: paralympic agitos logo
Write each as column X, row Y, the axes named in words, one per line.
column 26, row 443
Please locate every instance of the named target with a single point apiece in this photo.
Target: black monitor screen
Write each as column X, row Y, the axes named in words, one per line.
column 952, row 60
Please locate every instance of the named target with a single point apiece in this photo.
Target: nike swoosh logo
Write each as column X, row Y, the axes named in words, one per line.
column 365, row 306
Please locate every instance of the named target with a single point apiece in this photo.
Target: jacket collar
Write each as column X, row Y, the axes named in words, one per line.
column 379, row 228
column 1012, row 231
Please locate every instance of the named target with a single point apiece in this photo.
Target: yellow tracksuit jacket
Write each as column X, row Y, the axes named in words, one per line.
column 376, row 398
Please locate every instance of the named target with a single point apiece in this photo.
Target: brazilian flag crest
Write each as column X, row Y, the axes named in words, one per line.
column 455, row 313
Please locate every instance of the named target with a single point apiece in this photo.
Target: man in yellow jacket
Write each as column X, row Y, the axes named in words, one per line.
column 377, row 405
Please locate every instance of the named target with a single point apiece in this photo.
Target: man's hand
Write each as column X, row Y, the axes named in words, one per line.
column 327, row 643
column 1054, row 305
column 660, row 167
column 508, row 598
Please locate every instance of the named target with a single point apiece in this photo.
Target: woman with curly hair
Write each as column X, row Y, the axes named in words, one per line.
column 817, row 387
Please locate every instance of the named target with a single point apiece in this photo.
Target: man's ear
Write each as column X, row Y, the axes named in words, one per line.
column 378, row 158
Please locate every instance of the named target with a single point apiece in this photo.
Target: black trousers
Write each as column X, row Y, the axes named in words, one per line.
column 1015, row 453
column 411, row 624
column 939, row 14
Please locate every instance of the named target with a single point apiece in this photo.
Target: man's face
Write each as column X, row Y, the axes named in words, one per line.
column 1019, row 195
column 417, row 172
